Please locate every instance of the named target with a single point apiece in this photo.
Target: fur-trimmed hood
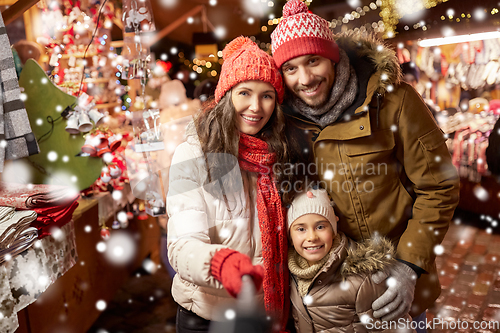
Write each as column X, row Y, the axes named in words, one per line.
column 383, row 58
column 368, row 257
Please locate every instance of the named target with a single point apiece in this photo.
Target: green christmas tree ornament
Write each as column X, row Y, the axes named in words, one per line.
column 57, row 162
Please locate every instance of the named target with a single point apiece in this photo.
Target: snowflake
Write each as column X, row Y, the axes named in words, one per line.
column 101, row 305
column 307, row 300
column 122, row 216
column 117, row 195
column 394, row 128
column 365, row 319
column 328, row 175
column 224, row 233
column 101, row 247
column 57, row 234
column 481, row 193
column 87, row 228
column 52, row 156
column 230, row 314
column 438, row 250
column 391, row 282
column 344, row 285
column 43, row 280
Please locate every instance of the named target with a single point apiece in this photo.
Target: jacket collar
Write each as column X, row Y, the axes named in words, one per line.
column 337, row 256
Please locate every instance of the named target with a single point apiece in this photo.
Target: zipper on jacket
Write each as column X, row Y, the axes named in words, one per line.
column 305, row 306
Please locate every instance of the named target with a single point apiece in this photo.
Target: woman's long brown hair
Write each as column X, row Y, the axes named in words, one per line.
column 216, row 129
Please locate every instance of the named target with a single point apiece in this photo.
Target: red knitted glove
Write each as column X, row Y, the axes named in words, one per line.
column 228, row 267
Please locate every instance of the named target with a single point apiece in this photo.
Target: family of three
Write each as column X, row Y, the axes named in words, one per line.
column 333, row 101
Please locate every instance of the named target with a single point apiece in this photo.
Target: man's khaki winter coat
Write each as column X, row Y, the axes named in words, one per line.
column 386, row 165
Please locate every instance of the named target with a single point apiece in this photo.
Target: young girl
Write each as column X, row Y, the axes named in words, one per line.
column 331, row 286
column 225, row 213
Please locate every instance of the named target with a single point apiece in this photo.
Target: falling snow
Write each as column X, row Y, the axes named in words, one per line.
column 481, row 193
column 101, row 247
column 117, row 195
column 52, row 156
column 307, row 300
column 438, row 250
column 57, row 234
column 328, row 175
column 101, row 305
column 230, row 314
column 365, row 319
column 121, row 248
column 391, row 282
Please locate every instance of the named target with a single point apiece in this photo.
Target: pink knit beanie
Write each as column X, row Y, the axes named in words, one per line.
column 301, row 32
column 245, row 61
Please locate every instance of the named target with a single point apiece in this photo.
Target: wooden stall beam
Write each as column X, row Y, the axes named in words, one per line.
column 17, row 9
column 174, row 25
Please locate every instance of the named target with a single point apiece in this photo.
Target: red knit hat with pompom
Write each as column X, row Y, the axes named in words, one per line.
column 245, row 61
column 301, row 32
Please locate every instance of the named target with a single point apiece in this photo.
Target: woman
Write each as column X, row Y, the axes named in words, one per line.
column 225, row 212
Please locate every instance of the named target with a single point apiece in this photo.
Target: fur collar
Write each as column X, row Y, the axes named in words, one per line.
column 368, row 257
column 382, row 57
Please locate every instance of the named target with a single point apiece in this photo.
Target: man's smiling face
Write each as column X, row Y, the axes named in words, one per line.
column 310, row 77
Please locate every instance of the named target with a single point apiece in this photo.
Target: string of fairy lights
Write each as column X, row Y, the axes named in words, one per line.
column 390, row 12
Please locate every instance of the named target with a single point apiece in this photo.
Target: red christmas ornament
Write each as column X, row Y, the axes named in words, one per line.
column 105, row 233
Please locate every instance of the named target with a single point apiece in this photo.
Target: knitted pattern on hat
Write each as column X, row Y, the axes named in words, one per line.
column 245, row 61
column 312, row 202
column 300, row 33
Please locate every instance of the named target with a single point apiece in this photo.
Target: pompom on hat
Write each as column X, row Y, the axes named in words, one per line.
column 245, row 61
column 312, row 202
column 301, row 32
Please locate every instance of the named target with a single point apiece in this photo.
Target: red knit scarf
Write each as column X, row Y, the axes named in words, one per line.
column 254, row 156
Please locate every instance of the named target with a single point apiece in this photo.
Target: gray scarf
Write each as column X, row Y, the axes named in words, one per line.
column 344, row 91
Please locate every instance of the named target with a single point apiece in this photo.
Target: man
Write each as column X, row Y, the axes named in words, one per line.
column 377, row 150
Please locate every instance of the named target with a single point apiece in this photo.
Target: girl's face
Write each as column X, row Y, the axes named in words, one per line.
column 254, row 102
column 312, row 237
